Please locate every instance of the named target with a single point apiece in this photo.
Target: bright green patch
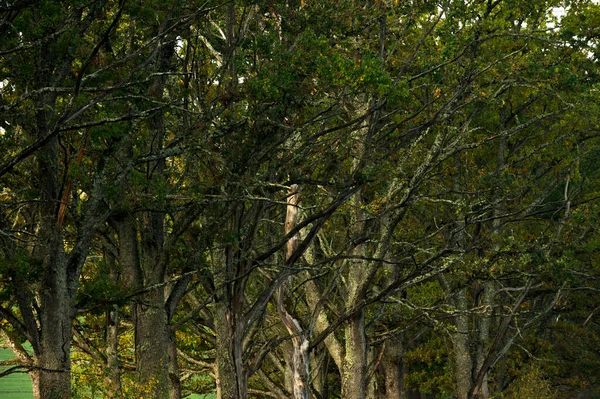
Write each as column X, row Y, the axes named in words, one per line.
column 14, row 386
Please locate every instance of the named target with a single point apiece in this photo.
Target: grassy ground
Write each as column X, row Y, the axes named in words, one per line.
column 18, row 385
column 14, row 386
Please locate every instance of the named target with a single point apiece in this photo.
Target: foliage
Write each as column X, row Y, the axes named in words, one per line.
column 445, row 154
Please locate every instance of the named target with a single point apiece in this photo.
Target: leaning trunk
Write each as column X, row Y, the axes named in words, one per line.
column 299, row 362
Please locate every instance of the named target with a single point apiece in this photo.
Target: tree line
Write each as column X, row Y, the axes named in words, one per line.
column 299, row 199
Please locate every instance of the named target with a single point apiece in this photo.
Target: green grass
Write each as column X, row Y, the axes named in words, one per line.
column 14, row 386
column 18, row 385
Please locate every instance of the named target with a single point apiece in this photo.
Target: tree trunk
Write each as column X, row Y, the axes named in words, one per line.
column 52, row 342
column 152, row 345
column 460, row 341
column 53, row 356
column 354, row 369
column 355, row 359
column 231, row 377
column 151, row 319
column 483, row 337
column 112, row 352
column 175, row 389
column 299, row 362
column 393, row 368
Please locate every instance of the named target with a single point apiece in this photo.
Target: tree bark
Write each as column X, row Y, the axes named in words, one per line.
column 393, row 368
column 231, row 377
column 112, row 351
column 355, row 359
column 460, row 342
column 299, row 362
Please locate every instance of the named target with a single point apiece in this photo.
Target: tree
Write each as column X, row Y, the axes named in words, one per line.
column 300, row 199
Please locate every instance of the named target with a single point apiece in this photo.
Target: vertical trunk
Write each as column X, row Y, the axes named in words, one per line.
column 175, row 390
column 151, row 327
column 112, row 352
column 354, row 367
column 460, row 342
column 335, row 349
column 393, row 368
column 149, row 314
column 373, row 359
column 50, row 333
column 174, row 297
column 483, row 336
column 151, row 345
column 151, row 324
column 231, row 377
column 355, row 359
column 35, row 384
column 112, row 336
column 52, row 351
column 53, row 357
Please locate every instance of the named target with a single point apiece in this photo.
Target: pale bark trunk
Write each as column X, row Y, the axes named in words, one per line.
column 335, row 349
column 35, row 384
column 355, row 359
column 460, row 342
column 354, row 368
column 299, row 362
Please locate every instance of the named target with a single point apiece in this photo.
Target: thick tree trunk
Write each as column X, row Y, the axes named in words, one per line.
column 151, row 318
column 355, row 359
column 148, row 310
column 52, row 342
column 53, row 355
column 152, row 345
column 231, row 377
column 393, row 368
column 35, row 384
column 151, row 321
